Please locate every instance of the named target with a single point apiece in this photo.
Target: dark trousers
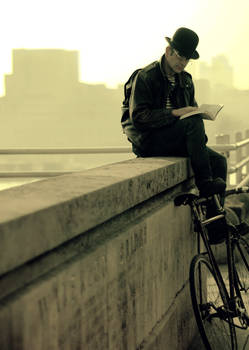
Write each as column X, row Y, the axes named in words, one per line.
column 186, row 138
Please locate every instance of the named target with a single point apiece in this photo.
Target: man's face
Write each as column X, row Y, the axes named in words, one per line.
column 176, row 62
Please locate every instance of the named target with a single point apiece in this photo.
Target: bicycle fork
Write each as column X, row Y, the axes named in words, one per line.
column 201, row 224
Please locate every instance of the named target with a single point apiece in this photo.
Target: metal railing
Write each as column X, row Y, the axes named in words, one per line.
column 54, row 151
column 65, row 150
column 237, row 155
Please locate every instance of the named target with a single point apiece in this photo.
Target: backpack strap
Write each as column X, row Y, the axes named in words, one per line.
column 127, row 94
column 128, row 86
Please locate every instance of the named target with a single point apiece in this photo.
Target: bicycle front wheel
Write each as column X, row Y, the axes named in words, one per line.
column 241, row 255
column 210, row 306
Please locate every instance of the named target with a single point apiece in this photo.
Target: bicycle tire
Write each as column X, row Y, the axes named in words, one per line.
column 216, row 328
column 241, row 256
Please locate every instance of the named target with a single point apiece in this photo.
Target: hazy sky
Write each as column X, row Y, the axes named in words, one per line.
column 115, row 37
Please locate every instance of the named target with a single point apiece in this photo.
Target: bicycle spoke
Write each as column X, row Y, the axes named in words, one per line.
column 241, row 255
column 210, row 307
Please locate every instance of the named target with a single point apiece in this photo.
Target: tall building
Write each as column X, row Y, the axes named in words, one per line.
column 221, row 72
column 218, row 73
column 204, row 71
column 41, row 82
column 43, row 72
column 46, row 104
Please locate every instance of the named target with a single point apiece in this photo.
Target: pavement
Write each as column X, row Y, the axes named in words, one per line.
column 242, row 339
column 242, row 335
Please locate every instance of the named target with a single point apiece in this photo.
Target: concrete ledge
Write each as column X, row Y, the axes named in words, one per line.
column 121, row 285
column 40, row 216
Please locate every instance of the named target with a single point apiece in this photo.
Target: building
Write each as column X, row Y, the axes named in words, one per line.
column 46, row 105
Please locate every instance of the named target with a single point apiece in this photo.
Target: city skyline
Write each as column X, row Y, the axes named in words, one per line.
column 114, row 40
column 218, row 71
column 47, row 104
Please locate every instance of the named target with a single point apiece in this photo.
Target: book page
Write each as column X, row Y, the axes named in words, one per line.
column 211, row 110
column 206, row 111
column 198, row 111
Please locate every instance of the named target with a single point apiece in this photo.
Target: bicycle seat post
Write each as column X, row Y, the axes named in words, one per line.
column 217, row 203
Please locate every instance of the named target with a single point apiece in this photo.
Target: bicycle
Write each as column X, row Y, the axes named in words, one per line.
column 220, row 299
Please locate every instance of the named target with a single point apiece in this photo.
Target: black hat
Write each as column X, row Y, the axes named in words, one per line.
column 185, row 42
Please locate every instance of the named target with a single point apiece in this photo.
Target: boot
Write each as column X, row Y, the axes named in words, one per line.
column 208, row 188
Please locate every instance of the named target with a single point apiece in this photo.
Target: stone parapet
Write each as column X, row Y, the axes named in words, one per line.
column 98, row 260
column 38, row 217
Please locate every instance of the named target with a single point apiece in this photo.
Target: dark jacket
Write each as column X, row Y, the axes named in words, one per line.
column 147, row 104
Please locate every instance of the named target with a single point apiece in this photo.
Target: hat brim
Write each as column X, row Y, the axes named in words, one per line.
column 194, row 55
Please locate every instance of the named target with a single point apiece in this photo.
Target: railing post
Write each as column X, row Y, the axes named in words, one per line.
column 247, row 151
column 238, row 137
column 224, row 139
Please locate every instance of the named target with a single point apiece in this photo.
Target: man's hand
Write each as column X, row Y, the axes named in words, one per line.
column 184, row 110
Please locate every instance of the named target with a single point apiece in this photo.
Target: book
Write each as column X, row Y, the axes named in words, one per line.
column 207, row 111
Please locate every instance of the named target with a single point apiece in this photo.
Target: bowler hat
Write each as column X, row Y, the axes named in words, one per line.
column 185, row 42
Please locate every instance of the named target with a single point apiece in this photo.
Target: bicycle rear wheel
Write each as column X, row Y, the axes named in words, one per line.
column 210, row 307
column 241, row 256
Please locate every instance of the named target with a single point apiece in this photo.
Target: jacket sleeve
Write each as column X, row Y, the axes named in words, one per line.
column 142, row 113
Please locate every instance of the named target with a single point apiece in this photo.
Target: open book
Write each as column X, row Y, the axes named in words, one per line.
column 207, row 111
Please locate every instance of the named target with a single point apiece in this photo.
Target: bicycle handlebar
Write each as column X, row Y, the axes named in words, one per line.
column 188, row 197
column 237, row 190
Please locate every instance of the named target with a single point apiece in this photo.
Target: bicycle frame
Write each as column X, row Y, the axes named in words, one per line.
column 200, row 224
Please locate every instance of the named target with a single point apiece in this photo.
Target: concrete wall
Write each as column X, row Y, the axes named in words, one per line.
column 98, row 260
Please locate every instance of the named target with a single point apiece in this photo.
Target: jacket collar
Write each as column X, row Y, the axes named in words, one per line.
column 180, row 76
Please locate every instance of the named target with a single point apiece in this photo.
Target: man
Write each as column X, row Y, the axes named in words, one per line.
column 160, row 94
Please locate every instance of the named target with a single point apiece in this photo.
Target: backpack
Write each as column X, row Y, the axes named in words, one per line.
column 127, row 93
